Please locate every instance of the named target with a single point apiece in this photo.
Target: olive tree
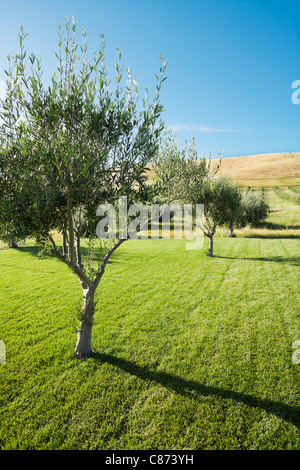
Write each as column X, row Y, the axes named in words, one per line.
column 221, row 201
column 70, row 145
column 180, row 173
column 188, row 178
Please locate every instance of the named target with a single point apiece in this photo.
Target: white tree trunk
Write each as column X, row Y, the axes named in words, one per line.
column 83, row 346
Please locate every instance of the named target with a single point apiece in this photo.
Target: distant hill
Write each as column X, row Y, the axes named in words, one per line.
column 268, row 169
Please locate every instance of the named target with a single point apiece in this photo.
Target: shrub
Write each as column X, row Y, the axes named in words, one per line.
column 254, row 210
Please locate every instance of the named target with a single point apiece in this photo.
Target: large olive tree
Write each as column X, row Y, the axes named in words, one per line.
column 68, row 146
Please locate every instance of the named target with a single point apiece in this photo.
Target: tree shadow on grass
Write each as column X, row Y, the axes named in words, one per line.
column 275, row 231
column 32, row 250
column 35, row 250
column 272, row 236
column 274, row 226
column 292, row 260
column 188, row 388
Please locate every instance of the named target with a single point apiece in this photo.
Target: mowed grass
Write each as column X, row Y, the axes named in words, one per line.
column 284, row 213
column 190, row 352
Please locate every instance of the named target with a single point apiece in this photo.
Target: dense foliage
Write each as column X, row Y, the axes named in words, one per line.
column 254, row 210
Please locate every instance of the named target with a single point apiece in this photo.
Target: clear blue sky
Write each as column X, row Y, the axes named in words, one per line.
column 230, row 68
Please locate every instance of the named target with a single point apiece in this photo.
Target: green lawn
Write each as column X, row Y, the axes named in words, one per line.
column 190, row 352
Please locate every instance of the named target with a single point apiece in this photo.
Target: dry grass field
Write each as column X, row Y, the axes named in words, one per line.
column 267, row 170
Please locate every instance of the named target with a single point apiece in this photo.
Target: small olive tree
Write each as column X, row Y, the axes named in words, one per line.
column 221, row 201
column 69, row 146
column 180, row 173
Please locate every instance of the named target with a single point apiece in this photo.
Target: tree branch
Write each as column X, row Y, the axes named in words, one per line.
column 71, row 229
column 75, row 268
column 105, row 260
column 78, row 252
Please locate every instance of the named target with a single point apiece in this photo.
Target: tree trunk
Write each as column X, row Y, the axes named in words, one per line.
column 12, row 243
column 211, row 245
column 83, row 346
column 231, row 234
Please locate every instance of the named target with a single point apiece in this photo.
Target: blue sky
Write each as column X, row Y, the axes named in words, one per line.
column 230, row 68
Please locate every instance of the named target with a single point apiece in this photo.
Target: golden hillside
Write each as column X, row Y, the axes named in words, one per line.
column 269, row 169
